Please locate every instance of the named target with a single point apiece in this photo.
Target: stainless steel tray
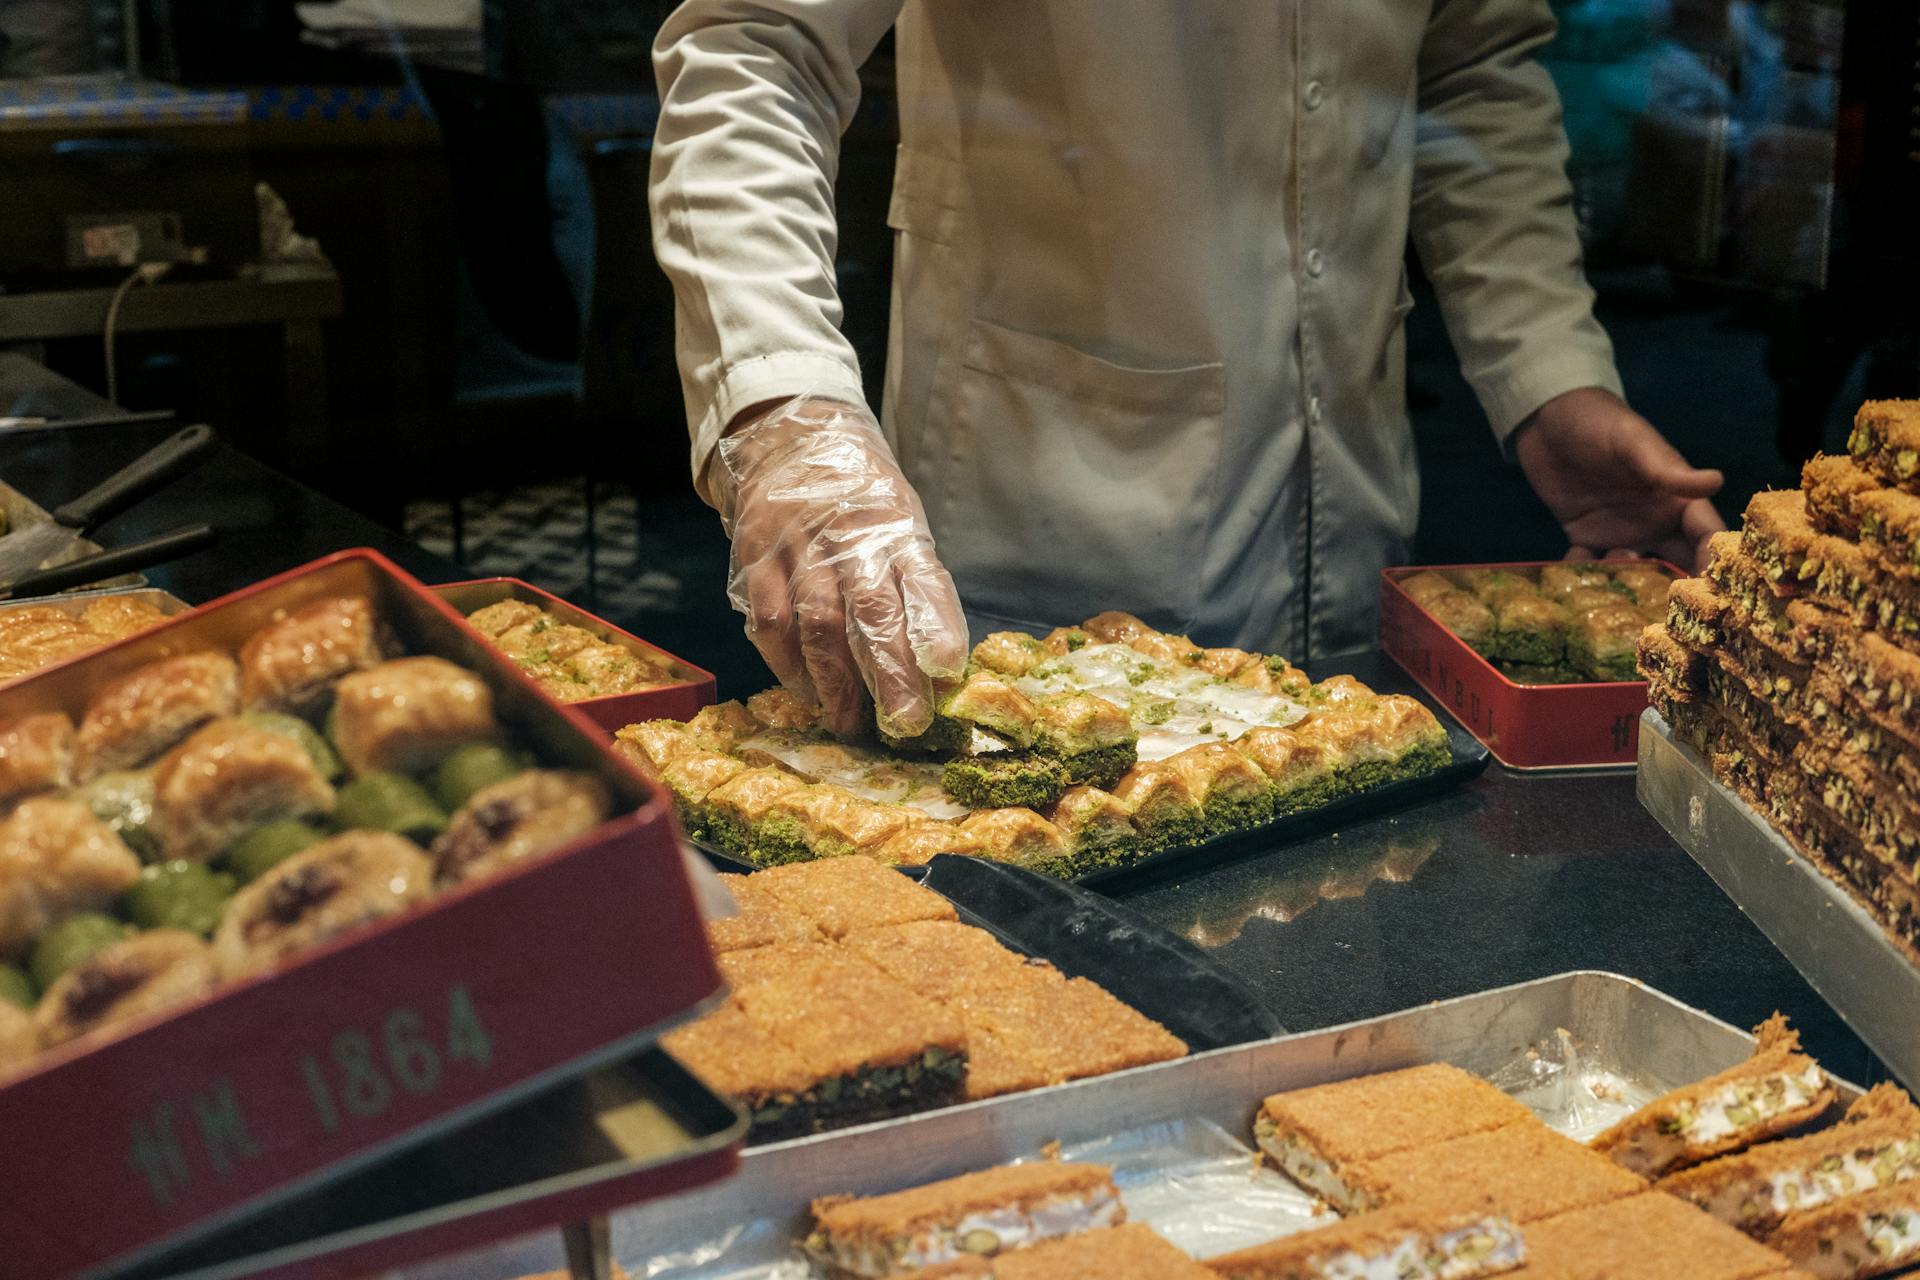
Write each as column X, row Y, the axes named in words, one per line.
column 1581, row 1048
column 23, row 511
column 1833, row 941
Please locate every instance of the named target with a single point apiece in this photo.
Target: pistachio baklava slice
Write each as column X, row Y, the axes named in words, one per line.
column 1163, row 807
column 1232, row 792
column 1099, row 830
column 1886, row 440
column 1876, row 1145
column 743, row 816
column 1407, row 1242
column 975, row 1215
column 1777, row 1089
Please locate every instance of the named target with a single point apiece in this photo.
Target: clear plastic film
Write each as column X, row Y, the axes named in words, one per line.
column 834, row 567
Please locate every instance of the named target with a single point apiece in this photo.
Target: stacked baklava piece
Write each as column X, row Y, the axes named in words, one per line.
column 858, row 995
column 1793, row 666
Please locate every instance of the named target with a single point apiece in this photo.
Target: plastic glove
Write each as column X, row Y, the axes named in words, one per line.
column 834, row 567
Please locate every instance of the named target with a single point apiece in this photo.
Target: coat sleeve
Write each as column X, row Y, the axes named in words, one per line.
column 754, row 95
column 1493, row 210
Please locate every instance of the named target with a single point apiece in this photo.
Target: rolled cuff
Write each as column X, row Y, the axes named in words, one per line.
column 1509, row 398
column 782, row 376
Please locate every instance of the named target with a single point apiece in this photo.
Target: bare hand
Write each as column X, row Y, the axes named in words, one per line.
column 1614, row 483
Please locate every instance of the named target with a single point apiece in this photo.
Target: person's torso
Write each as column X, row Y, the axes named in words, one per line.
column 1148, row 299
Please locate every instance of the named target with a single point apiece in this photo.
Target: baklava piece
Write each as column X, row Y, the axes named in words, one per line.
column 843, row 895
column 1415, row 1242
column 1886, row 440
column 1098, row 827
column 1162, row 806
column 1601, row 641
column 227, row 778
column 56, row 858
column 741, row 817
column 975, row 1215
column 36, row 754
column 146, row 974
column 1009, row 653
column 1232, row 792
column 922, row 841
column 1018, row 836
column 141, row 714
column 1094, row 740
column 1314, row 1135
column 292, row 664
column 404, row 715
column 523, row 817
column 335, row 887
column 780, row 708
column 1777, row 1089
column 869, row 1048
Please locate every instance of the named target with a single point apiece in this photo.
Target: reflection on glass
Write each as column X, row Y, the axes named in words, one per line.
column 1702, row 133
column 1342, row 872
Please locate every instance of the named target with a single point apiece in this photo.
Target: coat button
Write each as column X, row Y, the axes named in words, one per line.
column 1316, row 262
column 1313, row 95
column 1313, row 411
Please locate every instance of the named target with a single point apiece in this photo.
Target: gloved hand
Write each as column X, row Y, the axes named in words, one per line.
column 834, row 567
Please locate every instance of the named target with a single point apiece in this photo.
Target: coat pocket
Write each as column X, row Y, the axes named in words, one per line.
column 1074, row 483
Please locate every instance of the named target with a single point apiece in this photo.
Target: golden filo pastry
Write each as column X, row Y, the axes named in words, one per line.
column 916, row 844
column 334, row 887
column 522, row 817
column 1115, row 627
column 116, row 617
column 227, row 778
column 145, row 974
column 407, row 713
column 36, row 754
column 139, row 715
column 56, row 858
column 292, row 664
column 655, row 744
column 781, row 708
column 1019, row 836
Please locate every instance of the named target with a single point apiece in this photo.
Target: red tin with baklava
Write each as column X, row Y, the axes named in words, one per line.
column 1469, row 635
column 142, row 1135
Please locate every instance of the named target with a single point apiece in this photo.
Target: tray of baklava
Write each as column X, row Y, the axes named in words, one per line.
column 1088, row 754
column 286, row 882
column 1580, row 1127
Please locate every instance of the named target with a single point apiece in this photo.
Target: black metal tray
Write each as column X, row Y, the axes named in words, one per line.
column 1470, row 757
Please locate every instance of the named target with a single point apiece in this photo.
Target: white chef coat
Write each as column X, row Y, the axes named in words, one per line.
column 1146, row 347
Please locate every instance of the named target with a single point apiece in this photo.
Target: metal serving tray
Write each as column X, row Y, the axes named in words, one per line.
column 1833, row 941
column 75, row 602
column 1581, row 1048
column 614, row 711
column 120, row 1145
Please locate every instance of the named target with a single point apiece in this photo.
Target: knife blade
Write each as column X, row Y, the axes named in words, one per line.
column 112, row 562
column 25, row 550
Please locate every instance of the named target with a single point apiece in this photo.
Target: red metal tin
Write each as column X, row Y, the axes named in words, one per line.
column 615, row 711
column 116, row 1147
column 1555, row 726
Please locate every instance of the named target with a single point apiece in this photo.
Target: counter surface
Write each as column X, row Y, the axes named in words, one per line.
column 1512, row 877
